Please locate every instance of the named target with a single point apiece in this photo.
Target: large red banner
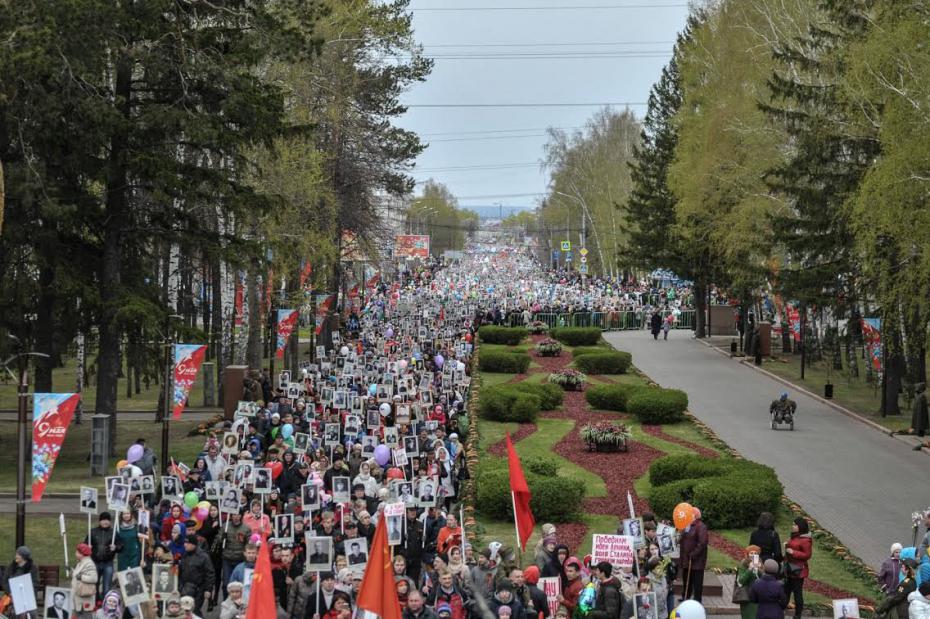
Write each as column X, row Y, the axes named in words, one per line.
column 187, row 360
column 50, row 420
column 411, row 246
column 287, row 321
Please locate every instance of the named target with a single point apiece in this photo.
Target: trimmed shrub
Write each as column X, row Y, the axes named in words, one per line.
column 730, row 493
column 577, row 336
column 604, row 363
column 540, row 466
column 589, row 350
column 610, row 397
column 658, row 405
column 504, row 362
column 502, row 404
column 549, row 395
column 511, row 336
column 555, row 499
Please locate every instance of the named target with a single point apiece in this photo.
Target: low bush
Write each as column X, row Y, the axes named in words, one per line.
column 577, row 336
column 549, row 395
column 658, row 405
column 511, row 336
column 540, row 466
column 729, row 492
column 555, row 499
column 503, row 404
column 604, row 363
column 610, row 397
column 504, row 362
column 589, row 350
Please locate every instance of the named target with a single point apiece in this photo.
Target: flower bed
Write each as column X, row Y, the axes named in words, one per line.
column 538, row 327
column 568, row 379
column 549, row 348
column 605, row 436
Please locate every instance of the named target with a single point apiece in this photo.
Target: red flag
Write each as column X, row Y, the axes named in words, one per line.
column 261, row 596
column 523, row 517
column 378, row 594
column 51, row 417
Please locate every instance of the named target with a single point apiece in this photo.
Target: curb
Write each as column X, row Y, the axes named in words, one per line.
column 841, row 409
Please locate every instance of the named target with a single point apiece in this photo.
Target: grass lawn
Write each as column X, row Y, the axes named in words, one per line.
column 489, row 380
column 43, row 538
column 72, row 469
column 853, row 393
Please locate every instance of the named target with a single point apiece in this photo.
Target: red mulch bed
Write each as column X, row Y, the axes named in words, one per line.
column 657, row 432
column 500, row 448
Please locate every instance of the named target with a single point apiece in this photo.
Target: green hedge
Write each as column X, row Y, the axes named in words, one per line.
column 730, row 493
column 657, row 405
column 549, row 395
column 604, row 363
column 510, row 336
column 504, row 362
column 577, row 336
column 589, row 350
column 610, row 397
column 554, row 499
column 503, row 404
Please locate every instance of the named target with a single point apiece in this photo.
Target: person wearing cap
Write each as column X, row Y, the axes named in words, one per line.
column 547, row 557
column 173, row 608
column 105, row 547
column 890, row 570
column 233, row 607
column 609, row 602
column 316, row 607
column 83, row 582
column 504, row 597
column 21, row 565
column 482, row 574
column 195, row 572
column 540, row 602
column 769, row 593
column 895, row 606
column 417, row 608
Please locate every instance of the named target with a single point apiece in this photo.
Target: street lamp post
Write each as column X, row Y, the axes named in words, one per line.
column 166, row 405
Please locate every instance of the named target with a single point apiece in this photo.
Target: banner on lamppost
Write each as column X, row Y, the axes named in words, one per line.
column 287, row 321
column 51, row 416
column 411, row 246
column 872, row 336
column 187, row 360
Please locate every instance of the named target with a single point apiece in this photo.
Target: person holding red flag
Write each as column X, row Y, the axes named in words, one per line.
column 261, row 595
column 378, row 595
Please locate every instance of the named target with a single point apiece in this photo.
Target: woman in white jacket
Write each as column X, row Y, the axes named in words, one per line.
column 919, row 606
column 83, row 583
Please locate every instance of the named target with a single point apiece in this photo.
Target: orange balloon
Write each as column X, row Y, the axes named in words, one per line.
column 683, row 515
column 121, row 464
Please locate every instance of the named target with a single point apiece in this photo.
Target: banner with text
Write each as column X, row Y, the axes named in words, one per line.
column 287, row 321
column 51, row 415
column 617, row 550
column 872, row 336
column 411, row 246
column 552, row 587
column 187, row 360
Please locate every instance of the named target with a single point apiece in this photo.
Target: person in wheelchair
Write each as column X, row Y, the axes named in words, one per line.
column 782, row 410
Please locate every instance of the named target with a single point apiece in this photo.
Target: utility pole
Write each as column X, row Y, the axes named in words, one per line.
column 23, row 393
column 166, row 405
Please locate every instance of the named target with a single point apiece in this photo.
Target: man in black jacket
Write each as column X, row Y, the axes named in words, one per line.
column 105, row 547
column 195, row 573
column 411, row 544
column 609, row 601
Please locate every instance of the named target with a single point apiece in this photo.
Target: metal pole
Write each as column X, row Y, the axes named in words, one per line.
column 166, row 412
column 803, row 344
column 23, row 392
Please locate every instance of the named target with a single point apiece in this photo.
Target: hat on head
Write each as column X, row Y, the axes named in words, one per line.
column 237, row 586
column 505, row 584
column 504, row 611
column 84, row 549
column 770, row 566
column 443, row 608
column 187, row 603
column 327, row 576
column 550, row 539
column 531, row 574
column 105, row 516
column 896, row 546
column 191, row 538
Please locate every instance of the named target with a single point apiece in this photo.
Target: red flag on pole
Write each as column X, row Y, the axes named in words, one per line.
column 378, row 595
column 261, row 596
column 520, row 492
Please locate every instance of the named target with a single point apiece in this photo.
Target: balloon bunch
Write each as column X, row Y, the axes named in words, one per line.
column 683, row 515
column 195, row 509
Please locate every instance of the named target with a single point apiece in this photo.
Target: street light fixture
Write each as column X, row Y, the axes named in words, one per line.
column 23, row 396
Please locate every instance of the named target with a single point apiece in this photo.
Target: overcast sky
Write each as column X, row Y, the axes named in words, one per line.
column 616, row 55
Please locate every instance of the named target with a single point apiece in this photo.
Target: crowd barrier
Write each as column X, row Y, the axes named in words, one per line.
column 606, row 321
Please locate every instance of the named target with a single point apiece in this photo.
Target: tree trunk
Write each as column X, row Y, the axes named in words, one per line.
column 205, row 298
column 700, row 309
column 893, row 369
column 44, row 337
column 117, row 216
column 254, row 341
column 216, row 320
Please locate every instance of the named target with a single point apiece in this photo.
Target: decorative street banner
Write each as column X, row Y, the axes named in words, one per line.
column 51, row 417
column 615, row 549
column 794, row 322
column 187, row 360
column 287, row 321
column 872, row 336
column 305, row 272
column 238, row 300
column 411, row 246
column 323, row 304
column 373, row 281
column 552, row 587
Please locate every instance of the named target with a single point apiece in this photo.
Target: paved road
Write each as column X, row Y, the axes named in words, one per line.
column 48, row 505
column 860, row 484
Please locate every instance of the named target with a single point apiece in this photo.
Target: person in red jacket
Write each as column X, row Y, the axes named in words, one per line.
column 176, row 516
column 798, row 551
column 693, row 547
column 569, row 596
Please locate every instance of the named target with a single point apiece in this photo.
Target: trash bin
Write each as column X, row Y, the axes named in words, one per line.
column 828, row 390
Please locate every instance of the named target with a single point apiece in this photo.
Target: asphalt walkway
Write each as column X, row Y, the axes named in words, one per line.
column 860, row 484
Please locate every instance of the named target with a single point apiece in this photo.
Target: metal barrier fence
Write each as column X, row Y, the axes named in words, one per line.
column 606, row 321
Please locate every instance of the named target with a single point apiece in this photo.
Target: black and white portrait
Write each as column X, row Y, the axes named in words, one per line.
column 284, row 528
column 331, row 434
column 230, row 501
column 148, row 484
column 395, row 529
column 374, row 419
column 427, row 496
column 164, row 581
column 411, row 445
column 57, row 603
column 309, row 497
column 88, row 500
column 368, row 446
column 341, row 489
column 263, row 480
column 319, row 553
column 404, row 490
column 353, row 425
column 356, row 551
column 244, row 473
column 634, row 528
column 390, row 437
column 301, row 442
column 119, row 497
column 645, row 606
column 170, row 487
column 132, row 585
column 230, row 443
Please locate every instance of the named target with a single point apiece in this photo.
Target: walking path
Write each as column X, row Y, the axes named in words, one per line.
column 860, row 484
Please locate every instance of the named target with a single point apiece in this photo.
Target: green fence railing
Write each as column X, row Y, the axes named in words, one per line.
column 606, row 321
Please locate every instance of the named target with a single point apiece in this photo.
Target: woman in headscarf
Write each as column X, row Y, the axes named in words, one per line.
column 458, row 566
column 176, row 543
column 128, row 532
column 748, row 570
column 112, row 606
column 364, row 478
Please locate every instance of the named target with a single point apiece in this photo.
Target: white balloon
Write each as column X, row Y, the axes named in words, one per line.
column 385, row 409
column 344, row 351
column 689, row 609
